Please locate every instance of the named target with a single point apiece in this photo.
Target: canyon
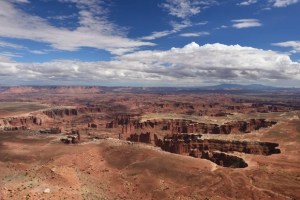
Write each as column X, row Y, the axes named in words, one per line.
column 132, row 143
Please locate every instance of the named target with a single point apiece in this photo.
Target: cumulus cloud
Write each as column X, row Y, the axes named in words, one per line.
column 190, row 65
column 295, row 45
column 283, row 3
column 94, row 29
column 246, row 23
column 195, row 34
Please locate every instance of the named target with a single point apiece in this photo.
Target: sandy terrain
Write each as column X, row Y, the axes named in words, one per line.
column 113, row 169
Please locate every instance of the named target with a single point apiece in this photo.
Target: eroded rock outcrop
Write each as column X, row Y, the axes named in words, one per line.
column 19, row 123
column 53, row 130
column 185, row 143
column 122, row 120
column 53, row 113
column 130, row 125
column 215, row 150
column 92, row 125
column 74, row 138
column 65, row 112
column 224, row 159
column 143, row 137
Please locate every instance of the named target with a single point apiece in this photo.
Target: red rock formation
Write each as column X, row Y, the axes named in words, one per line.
column 74, row 138
column 213, row 150
column 188, row 126
column 224, row 159
column 185, row 143
column 55, row 130
column 92, row 125
column 19, row 123
column 143, row 137
column 53, row 113
column 121, row 120
column 14, row 128
column 63, row 112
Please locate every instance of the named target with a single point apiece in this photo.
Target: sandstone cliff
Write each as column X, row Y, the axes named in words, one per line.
column 19, row 123
column 129, row 126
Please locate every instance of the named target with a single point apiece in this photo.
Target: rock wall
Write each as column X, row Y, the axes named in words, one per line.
column 130, row 126
column 122, row 120
column 143, row 137
column 193, row 144
column 224, row 159
column 53, row 130
column 64, row 112
column 215, row 150
column 19, row 123
column 54, row 113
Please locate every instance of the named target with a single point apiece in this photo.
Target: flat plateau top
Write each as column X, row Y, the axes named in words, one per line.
column 16, row 108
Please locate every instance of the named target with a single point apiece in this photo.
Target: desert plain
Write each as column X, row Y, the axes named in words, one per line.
column 79, row 142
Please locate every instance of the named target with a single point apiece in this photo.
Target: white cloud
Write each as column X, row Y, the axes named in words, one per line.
column 185, row 8
column 20, row 1
column 247, row 3
column 270, row 3
column 8, row 68
column 246, row 23
column 9, row 55
column 38, row 51
column 158, row 34
column 63, row 17
column 195, row 34
column 10, row 45
column 295, row 45
column 222, row 27
column 94, row 30
column 176, row 28
column 188, row 66
column 4, row 59
column 283, row 3
column 182, row 9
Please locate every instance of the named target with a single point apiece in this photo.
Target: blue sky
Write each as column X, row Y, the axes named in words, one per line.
column 150, row 42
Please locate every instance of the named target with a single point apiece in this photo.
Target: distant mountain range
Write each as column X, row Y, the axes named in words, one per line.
column 240, row 87
column 230, row 88
column 217, row 88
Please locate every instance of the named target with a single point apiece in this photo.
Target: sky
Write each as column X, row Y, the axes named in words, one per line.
column 173, row 43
